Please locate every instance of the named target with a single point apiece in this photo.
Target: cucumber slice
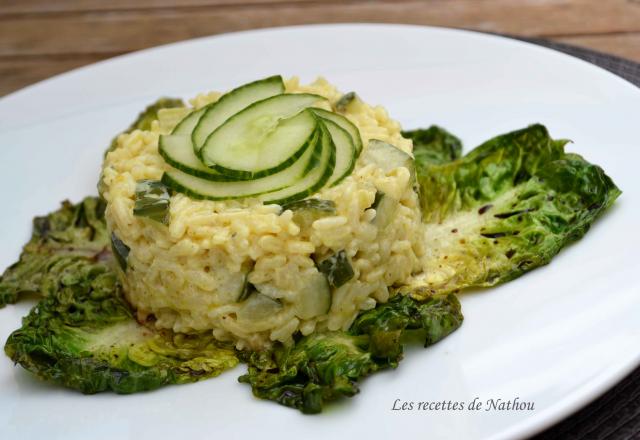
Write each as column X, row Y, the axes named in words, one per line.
column 177, row 151
column 343, row 123
column 314, row 180
column 231, row 103
column 345, row 152
column 198, row 188
column 186, row 125
column 263, row 138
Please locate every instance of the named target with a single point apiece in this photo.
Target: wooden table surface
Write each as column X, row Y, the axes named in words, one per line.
column 40, row 38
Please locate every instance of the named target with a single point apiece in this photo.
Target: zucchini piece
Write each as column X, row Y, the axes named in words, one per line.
column 232, row 102
column 152, row 201
column 315, row 299
column 177, row 151
column 327, row 207
column 337, row 269
column 388, row 157
column 345, row 152
column 264, row 138
column 386, row 208
column 376, row 200
column 305, row 212
column 205, row 189
column 245, row 289
column 344, row 101
column 344, row 123
column 258, row 307
column 120, row 251
column 314, row 180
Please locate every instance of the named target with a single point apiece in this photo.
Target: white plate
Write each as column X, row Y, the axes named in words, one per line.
column 557, row 337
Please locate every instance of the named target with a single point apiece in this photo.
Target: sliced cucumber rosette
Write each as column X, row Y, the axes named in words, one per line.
column 262, row 139
column 317, row 177
column 203, row 189
column 344, row 123
column 186, row 126
column 217, row 113
column 257, row 141
column 177, row 151
column 345, row 151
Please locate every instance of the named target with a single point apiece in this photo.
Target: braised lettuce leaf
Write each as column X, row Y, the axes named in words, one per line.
column 434, row 145
column 505, row 208
column 71, row 234
column 435, row 316
column 318, row 368
column 146, row 117
column 322, row 367
column 82, row 334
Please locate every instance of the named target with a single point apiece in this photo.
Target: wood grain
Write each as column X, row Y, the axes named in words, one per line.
column 622, row 45
column 39, row 38
column 48, row 6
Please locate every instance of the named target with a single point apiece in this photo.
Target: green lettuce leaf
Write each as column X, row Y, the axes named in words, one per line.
column 82, row 334
column 505, row 208
column 325, row 366
column 436, row 317
column 434, row 145
column 318, row 368
column 72, row 233
column 142, row 122
column 146, row 117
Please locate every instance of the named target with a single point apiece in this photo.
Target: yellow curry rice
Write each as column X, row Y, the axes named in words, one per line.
column 187, row 274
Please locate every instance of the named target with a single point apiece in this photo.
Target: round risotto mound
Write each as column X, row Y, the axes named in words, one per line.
column 186, row 276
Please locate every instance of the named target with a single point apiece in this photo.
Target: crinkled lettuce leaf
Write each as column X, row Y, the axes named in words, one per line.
column 322, row 367
column 434, row 145
column 318, row 368
column 142, row 122
column 82, row 334
column 435, row 316
column 147, row 116
column 71, row 234
column 505, row 208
